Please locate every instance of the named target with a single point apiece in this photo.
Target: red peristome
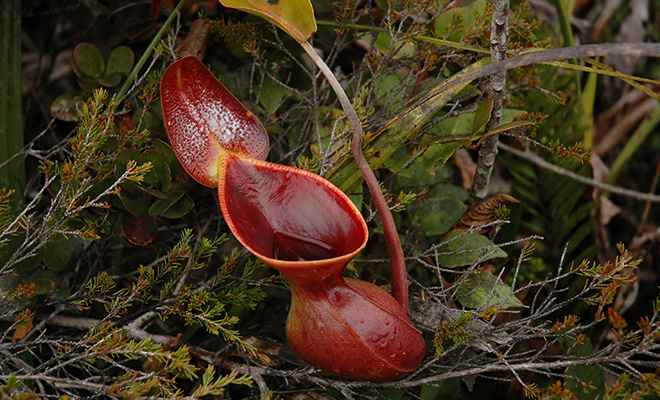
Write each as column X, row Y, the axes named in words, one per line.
column 203, row 120
column 286, row 213
column 302, row 225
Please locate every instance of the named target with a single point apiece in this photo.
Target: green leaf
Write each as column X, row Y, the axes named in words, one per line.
column 271, row 95
column 57, row 254
column 168, row 153
column 590, row 374
column 438, row 215
column 120, row 61
column 12, row 175
column 159, row 172
column 383, row 43
column 135, row 203
column 88, row 84
column 110, row 80
column 483, row 290
column 295, row 17
column 161, row 205
column 44, row 279
column 180, row 208
column 462, row 248
column 88, row 60
column 482, row 115
column 66, row 106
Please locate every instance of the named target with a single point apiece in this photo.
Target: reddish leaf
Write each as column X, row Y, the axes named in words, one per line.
column 139, row 230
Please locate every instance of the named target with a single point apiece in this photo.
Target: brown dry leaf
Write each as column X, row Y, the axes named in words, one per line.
column 22, row 331
column 483, row 212
column 612, row 135
column 198, row 38
column 466, row 167
column 599, row 170
column 608, row 210
column 607, row 120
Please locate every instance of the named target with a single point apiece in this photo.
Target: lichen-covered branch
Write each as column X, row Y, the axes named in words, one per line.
column 498, row 51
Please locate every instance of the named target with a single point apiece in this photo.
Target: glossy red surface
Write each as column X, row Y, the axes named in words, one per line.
column 353, row 329
column 286, row 213
column 300, row 224
column 202, row 119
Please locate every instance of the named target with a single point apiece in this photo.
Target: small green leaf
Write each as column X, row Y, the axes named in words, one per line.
column 57, row 254
column 88, row 60
column 438, row 215
column 159, row 172
column 482, row 115
column 271, row 95
column 460, row 248
column 120, row 61
column 295, row 17
column 483, row 290
column 168, row 153
column 180, row 208
column 88, row 84
column 66, row 106
column 110, row 80
column 161, row 205
column 136, row 203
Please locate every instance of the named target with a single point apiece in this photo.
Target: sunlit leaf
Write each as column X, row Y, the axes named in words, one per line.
column 295, row 17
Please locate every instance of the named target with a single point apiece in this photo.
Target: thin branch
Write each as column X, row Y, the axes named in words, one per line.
column 539, row 161
column 540, row 56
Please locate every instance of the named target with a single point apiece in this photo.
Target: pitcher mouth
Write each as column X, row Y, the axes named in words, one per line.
column 286, row 215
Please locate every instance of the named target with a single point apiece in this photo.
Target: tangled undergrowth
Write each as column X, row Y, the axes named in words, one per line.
column 119, row 277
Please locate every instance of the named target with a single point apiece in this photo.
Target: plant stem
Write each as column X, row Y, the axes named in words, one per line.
column 147, row 53
column 11, row 115
column 398, row 275
column 488, row 149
